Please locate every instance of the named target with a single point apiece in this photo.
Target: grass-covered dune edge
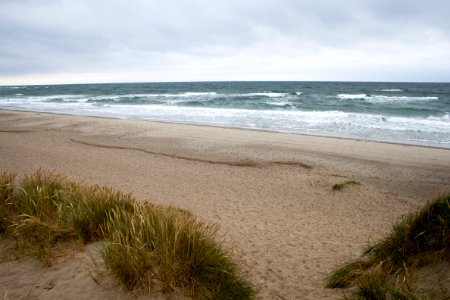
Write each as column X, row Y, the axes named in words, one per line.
column 145, row 244
column 386, row 269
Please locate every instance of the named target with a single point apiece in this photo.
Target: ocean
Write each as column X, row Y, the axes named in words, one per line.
column 408, row 113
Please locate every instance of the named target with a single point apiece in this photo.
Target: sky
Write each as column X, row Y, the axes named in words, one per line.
column 91, row 41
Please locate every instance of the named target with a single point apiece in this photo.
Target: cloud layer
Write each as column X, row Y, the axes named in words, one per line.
column 138, row 40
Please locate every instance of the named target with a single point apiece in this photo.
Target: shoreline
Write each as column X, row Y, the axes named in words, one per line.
column 238, row 128
column 281, row 217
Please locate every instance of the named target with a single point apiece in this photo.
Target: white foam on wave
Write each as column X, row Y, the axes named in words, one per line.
column 306, row 118
column 352, row 96
column 385, row 99
column 118, row 97
column 391, row 90
column 183, row 97
column 179, row 97
column 278, row 102
column 392, row 99
column 174, row 99
column 267, row 94
column 48, row 98
column 19, row 100
column 195, row 94
column 433, row 130
column 445, row 118
column 186, row 95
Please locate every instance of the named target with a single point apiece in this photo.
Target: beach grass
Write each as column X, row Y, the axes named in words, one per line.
column 342, row 185
column 91, row 207
column 160, row 244
column 6, row 199
column 145, row 244
column 345, row 275
column 384, row 270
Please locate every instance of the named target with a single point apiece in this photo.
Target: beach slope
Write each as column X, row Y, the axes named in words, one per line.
column 271, row 193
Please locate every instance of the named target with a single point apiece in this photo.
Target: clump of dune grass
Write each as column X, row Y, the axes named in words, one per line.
column 47, row 210
column 421, row 238
column 371, row 286
column 91, row 206
column 344, row 276
column 42, row 215
column 173, row 249
column 6, row 199
column 342, row 185
column 145, row 244
column 377, row 284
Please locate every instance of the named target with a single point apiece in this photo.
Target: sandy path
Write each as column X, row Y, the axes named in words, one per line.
column 281, row 215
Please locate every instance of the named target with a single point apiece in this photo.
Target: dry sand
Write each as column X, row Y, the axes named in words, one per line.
column 270, row 192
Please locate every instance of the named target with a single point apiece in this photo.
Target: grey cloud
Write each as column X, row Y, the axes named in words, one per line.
column 71, row 36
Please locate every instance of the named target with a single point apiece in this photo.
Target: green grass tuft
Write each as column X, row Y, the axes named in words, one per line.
column 378, row 285
column 41, row 217
column 421, row 238
column 170, row 247
column 91, row 206
column 345, row 275
column 341, row 186
column 145, row 244
column 371, row 286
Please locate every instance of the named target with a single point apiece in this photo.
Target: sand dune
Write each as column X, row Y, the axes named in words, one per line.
column 270, row 192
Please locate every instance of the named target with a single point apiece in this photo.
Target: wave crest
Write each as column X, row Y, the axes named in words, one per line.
column 385, row 99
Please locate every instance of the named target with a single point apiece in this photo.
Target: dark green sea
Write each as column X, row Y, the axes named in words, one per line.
column 411, row 113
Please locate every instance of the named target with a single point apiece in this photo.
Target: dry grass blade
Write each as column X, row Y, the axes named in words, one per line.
column 7, row 194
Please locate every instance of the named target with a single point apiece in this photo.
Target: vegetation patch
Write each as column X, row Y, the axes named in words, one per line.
column 145, row 244
column 384, row 270
column 341, row 186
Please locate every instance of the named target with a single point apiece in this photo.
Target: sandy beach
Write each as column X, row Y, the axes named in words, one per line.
column 271, row 193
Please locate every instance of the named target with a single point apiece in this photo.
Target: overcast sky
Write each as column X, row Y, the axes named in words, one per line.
column 72, row 41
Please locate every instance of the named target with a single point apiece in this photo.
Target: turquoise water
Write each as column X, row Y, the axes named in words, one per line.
column 412, row 113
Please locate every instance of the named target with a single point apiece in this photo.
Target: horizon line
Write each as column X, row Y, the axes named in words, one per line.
column 223, row 81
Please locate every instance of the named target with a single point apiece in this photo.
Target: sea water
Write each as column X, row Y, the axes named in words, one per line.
column 410, row 113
